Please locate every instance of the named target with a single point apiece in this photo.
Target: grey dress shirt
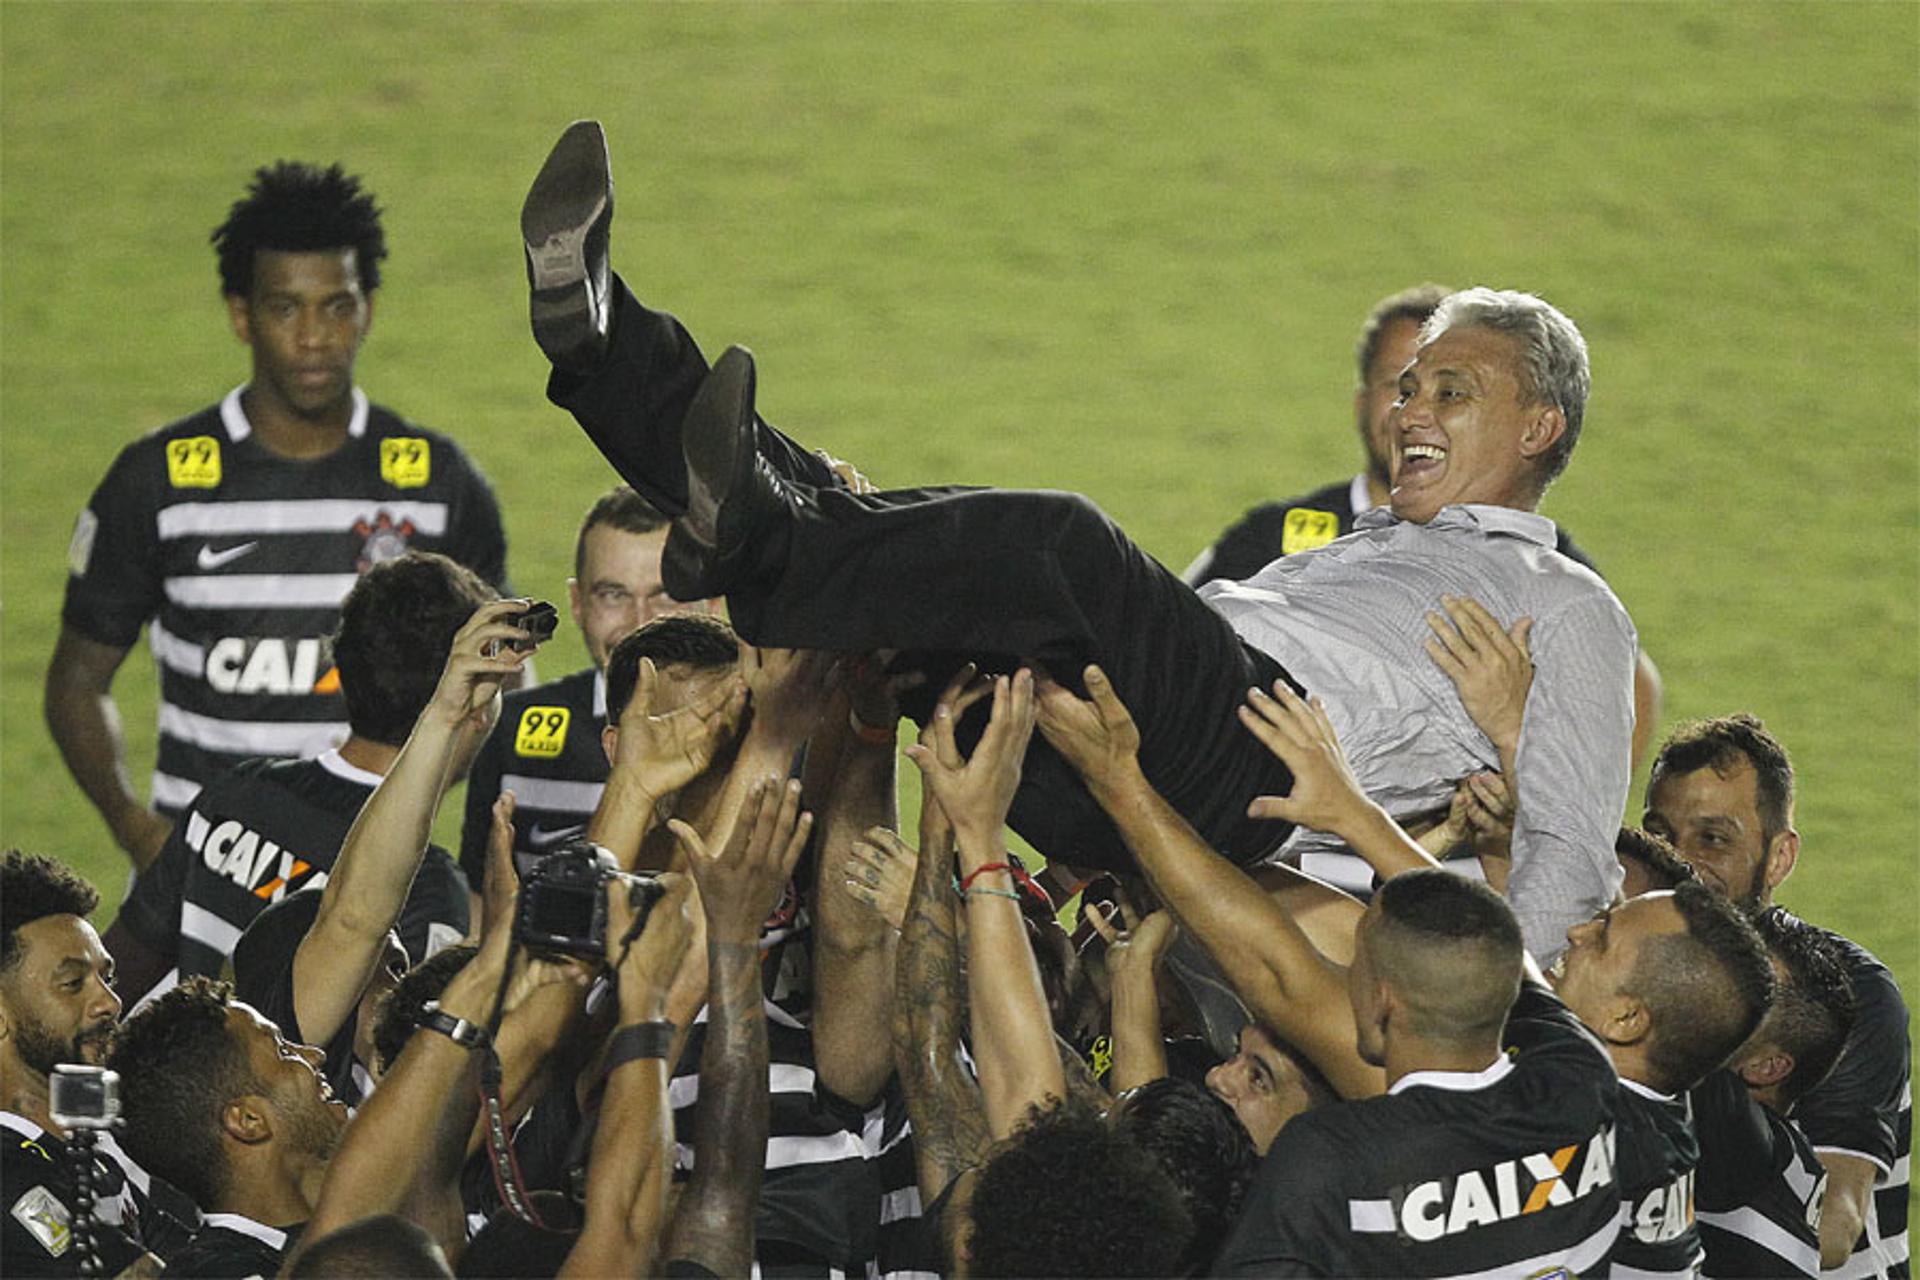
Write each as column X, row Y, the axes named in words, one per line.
column 1348, row 621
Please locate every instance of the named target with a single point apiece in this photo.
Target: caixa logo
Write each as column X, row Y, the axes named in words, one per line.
column 270, row 664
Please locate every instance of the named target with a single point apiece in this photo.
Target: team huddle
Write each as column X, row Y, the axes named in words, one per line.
column 1365, row 976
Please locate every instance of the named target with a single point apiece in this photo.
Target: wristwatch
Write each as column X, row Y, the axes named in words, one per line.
column 468, row 1035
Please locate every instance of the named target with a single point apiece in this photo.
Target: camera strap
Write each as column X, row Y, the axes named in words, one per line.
column 501, row 1160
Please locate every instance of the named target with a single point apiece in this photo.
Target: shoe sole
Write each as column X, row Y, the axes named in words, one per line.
column 570, row 198
column 712, row 438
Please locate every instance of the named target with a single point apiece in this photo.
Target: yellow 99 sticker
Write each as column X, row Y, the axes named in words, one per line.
column 1307, row 529
column 405, row 462
column 193, row 463
column 542, row 732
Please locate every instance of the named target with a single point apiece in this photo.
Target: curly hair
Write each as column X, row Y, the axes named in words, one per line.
column 396, row 629
column 697, row 640
column 32, row 887
column 299, row 208
column 1813, row 1006
column 400, row 1012
column 1068, row 1195
column 1203, row 1147
column 1705, row 989
column 179, row 1067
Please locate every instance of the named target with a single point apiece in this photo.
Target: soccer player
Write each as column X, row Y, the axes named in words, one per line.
column 1487, row 416
column 236, row 532
column 1722, row 791
column 270, row 828
column 216, row 1101
column 547, row 747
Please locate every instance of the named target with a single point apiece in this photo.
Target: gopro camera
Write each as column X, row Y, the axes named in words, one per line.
column 563, row 900
column 539, row 622
column 84, row 1097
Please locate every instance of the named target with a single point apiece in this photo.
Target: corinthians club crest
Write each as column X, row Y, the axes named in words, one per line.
column 384, row 539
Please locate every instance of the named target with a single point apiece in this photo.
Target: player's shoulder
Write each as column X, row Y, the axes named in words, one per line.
column 1335, row 500
column 1874, row 987
column 149, row 454
column 384, row 423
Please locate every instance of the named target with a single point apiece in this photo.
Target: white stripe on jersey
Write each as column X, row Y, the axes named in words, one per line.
column 197, row 829
column 901, row 1204
column 203, row 926
column 279, row 739
column 1750, row 1224
column 261, row 590
column 169, row 650
column 782, row 1077
column 172, row 792
column 784, row 1152
column 552, row 793
column 1579, row 1259
column 234, row 418
column 294, row 515
column 1371, row 1216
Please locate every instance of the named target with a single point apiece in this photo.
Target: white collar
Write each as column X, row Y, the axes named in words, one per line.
column 336, row 764
column 1457, row 1081
column 1530, row 526
column 239, row 1223
column 21, row 1125
column 234, row 418
column 1652, row 1094
column 1359, row 496
column 600, row 696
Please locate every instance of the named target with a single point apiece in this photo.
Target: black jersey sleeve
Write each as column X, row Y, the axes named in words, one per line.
column 113, row 562
column 1249, row 545
column 1855, row 1109
column 437, row 911
column 1736, row 1142
column 152, row 909
column 483, row 788
column 1289, row 1217
column 475, row 536
column 37, row 1237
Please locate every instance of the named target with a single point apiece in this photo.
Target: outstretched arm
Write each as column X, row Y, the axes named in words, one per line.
column 1271, row 964
column 1012, row 1031
column 1133, row 964
column 713, row 1225
column 375, row 870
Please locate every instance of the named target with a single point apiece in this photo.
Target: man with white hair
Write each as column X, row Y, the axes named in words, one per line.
column 1486, row 417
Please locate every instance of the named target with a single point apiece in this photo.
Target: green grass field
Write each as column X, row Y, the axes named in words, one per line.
column 1120, row 249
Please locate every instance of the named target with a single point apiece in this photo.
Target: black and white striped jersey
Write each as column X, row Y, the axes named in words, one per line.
column 546, row 750
column 257, row 834
column 236, row 559
column 1865, row 1109
column 1658, row 1156
column 1508, row 1171
column 1760, row 1186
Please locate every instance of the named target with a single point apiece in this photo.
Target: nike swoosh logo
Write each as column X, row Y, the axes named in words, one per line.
column 209, row 559
column 540, row 837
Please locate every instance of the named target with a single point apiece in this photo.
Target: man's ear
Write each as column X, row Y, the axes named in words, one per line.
column 1782, row 857
column 576, row 601
column 1766, row 1068
column 1627, row 1021
column 246, row 1121
column 610, row 740
column 1543, row 430
column 240, row 317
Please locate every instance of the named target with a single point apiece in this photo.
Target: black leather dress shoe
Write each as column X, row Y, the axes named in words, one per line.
column 564, row 225
column 733, row 493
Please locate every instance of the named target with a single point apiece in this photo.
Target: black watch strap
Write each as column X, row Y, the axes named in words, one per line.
column 641, row 1040
column 468, row 1035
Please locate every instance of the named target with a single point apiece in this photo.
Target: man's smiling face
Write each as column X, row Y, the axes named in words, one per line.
column 1464, row 428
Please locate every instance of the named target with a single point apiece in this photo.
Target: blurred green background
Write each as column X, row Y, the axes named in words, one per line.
column 1121, row 249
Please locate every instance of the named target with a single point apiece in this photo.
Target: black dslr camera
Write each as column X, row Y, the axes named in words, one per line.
column 563, row 905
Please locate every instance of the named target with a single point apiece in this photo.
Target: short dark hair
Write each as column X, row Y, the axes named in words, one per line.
column 1414, row 304
column 400, row 1011
column 384, row 1245
column 697, row 640
column 396, row 629
column 299, row 208
column 1203, row 1147
column 1666, row 869
column 179, row 1067
column 1813, row 1007
column 1454, row 946
column 1722, row 744
column 1069, row 1195
column 619, row 508
column 33, row 887
column 1705, row 989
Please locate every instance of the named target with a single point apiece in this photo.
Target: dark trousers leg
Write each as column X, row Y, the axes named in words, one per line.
column 1044, row 577
column 632, row 406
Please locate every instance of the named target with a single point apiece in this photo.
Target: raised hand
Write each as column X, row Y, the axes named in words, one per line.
column 647, row 965
column 1491, row 668
column 482, row 655
column 790, row 688
column 740, row 884
column 670, row 749
column 1096, row 734
column 879, row 873
column 1326, row 796
column 977, row 792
